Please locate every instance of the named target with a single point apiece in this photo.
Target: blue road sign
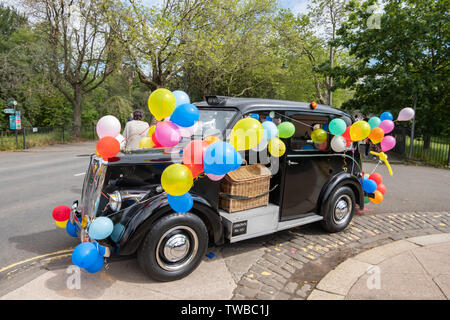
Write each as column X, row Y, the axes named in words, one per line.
column 8, row 110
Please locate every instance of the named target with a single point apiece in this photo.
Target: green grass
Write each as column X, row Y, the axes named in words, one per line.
column 436, row 154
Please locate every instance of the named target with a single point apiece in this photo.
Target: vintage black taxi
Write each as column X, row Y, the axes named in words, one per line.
column 309, row 183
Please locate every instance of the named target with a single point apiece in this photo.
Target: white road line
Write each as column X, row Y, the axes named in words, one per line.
column 79, row 174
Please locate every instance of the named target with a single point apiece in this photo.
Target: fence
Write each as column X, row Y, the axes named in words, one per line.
column 430, row 150
column 29, row 137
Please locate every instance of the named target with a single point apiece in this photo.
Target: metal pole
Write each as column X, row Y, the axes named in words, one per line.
column 412, row 127
column 17, row 142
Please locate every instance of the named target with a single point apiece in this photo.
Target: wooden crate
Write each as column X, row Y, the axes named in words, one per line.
column 245, row 188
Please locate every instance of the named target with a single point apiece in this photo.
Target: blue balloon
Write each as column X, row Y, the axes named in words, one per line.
column 118, row 231
column 181, row 203
column 84, row 254
column 185, row 115
column 101, row 228
column 268, row 118
column 72, row 229
column 97, row 265
column 386, row 116
column 255, row 116
column 369, row 185
column 221, row 158
column 270, row 130
column 307, row 147
column 181, row 97
column 325, row 127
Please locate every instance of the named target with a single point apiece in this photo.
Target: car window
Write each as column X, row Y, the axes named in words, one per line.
column 304, row 126
column 213, row 121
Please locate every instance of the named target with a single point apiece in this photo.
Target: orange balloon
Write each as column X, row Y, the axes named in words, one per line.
column 211, row 139
column 108, row 147
column 378, row 197
column 376, row 135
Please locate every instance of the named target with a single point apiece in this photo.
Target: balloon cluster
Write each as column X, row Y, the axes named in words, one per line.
column 89, row 256
column 111, row 141
column 372, row 185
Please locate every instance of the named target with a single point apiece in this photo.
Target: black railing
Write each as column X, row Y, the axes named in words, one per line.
column 29, row 137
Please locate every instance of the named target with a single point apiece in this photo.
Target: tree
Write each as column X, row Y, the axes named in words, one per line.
column 404, row 60
column 81, row 47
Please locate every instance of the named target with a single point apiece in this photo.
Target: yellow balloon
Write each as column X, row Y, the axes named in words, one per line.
column 146, row 143
column 246, row 134
column 359, row 130
column 177, row 179
column 151, row 130
column 61, row 224
column 319, row 135
column 161, row 103
column 276, row 147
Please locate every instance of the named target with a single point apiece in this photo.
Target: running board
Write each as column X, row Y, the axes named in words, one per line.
column 260, row 221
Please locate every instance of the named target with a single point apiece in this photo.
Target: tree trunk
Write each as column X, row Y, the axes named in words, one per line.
column 76, row 103
column 426, row 141
column 330, row 79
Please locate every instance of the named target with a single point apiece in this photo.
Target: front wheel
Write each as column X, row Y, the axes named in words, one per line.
column 173, row 247
column 338, row 210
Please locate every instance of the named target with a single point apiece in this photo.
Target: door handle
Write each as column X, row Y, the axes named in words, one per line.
column 291, row 163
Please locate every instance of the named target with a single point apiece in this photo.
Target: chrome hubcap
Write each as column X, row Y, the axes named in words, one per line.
column 176, row 247
column 342, row 209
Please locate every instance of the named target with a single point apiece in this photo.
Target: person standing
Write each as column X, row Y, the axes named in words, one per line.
column 135, row 130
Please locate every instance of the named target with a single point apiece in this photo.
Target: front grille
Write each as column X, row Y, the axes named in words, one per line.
column 92, row 187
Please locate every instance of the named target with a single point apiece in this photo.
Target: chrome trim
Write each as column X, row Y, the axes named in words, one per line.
column 342, row 209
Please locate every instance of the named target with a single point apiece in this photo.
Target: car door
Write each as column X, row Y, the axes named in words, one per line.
column 307, row 166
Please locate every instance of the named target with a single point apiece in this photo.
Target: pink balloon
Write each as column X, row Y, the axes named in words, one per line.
column 406, row 114
column 387, row 143
column 215, row 177
column 167, row 134
column 108, row 126
column 187, row 131
column 387, row 126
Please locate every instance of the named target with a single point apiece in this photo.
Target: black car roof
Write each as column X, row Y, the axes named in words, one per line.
column 246, row 105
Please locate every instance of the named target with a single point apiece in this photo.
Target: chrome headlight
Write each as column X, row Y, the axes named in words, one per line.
column 115, row 201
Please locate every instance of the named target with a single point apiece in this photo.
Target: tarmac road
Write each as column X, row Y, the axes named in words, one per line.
column 33, row 182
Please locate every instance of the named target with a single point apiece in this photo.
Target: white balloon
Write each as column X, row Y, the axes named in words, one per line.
column 338, row 143
column 262, row 145
column 108, row 126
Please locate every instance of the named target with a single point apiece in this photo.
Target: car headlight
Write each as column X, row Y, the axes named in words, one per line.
column 115, row 201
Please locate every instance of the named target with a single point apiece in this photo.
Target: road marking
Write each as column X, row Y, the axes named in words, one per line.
column 79, row 174
column 34, row 258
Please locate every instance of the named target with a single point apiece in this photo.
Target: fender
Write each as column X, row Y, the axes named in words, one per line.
column 140, row 224
column 338, row 180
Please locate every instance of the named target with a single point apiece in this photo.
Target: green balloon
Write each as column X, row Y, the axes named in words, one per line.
column 337, row 127
column 286, row 130
column 319, row 136
column 374, row 122
column 366, row 200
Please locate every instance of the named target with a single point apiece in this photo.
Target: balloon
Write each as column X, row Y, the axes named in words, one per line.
column 181, row 97
column 376, row 135
column 326, row 127
column 211, row 139
column 151, row 130
column 307, row 147
column 215, row 177
column 161, row 103
column 270, row 130
column 369, row 185
column 366, row 200
column 97, row 265
column 378, row 197
column 337, row 127
column 376, row 177
column 382, row 188
column 189, row 131
column 406, row 114
column 386, row 116
column 118, row 231
column 176, row 179
column 346, row 136
column 276, row 147
column 193, row 156
column 167, row 134
column 101, row 228
column 221, row 158
column 286, row 130
column 262, row 145
column 322, row 146
column 108, row 147
column 61, row 213
column 246, row 134
column 185, row 115
column 72, row 229
column 254, row 116
column 108, row 126
column 319, row 136
column 121, row 140
column 387, row 126
column 61, row 224
column 359, row 130
column 374, row 122
column 387, row 143
column 146, row 143
column 338, row 143
column 155, row 141
column 84, row 254
column 181, row 203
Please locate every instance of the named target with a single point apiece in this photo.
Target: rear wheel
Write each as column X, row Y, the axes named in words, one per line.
column 173, row 247
column 338, row 210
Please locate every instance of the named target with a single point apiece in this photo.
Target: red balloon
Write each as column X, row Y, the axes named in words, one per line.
column 382, row 188
column 108, row 147
column 155, row 141
column 376, row 177
column 61, row 213
column 346, row 136
column 196, row 169
column 193, row 156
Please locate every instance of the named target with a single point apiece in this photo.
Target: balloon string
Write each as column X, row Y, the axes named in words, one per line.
column 379, row 161
column 295, row 120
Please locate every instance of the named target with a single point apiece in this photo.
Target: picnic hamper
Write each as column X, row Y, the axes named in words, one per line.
column 245, row 188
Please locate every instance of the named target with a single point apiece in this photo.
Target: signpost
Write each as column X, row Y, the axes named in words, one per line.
column 15, row 121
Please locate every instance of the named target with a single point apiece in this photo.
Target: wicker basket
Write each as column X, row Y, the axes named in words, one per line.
column 245, row 188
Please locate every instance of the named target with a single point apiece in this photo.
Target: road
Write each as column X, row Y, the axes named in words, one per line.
column 34, row 182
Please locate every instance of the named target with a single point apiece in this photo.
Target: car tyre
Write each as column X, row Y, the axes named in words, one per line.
column 173, row 247
column 338, row 209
